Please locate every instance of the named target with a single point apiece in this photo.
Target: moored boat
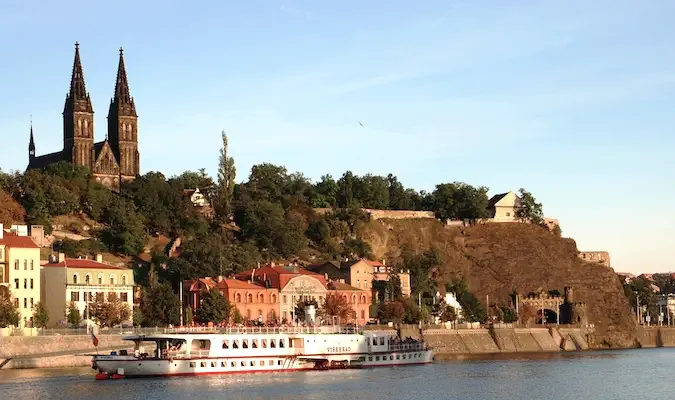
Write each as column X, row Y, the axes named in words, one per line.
column 239, row 350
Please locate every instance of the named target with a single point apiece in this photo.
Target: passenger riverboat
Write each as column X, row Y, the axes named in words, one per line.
column 259, row 349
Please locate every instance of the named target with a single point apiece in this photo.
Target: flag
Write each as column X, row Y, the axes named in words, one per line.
column 94, row 339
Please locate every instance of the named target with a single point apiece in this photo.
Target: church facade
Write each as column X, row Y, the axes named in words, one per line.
column 111, row 161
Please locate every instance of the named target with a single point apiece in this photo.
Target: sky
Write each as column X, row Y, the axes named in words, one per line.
column 571, row 100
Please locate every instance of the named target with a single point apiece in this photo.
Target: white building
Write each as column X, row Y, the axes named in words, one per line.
column 82, row 281
column 449, row 300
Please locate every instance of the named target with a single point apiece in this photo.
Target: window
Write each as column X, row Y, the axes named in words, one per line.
column 281, row 343
column 25, row 302
column 254, row 343
column 16, row 302
column 87, row 279
column 285, row 299
column 270, row 362
column 273, row 298
column 99, row 296
column 75, row 279
column 233, row 364
column 249, row 299
column 124, row 279
column 244, row 344
column 112, row 279
column 251, row 363
column 192, row 364
column 238, row 298
column 31, row 302
column 16, row 283
column 381, row 340
column 100, row 279
column 508, row 214
column 124, row 296
column 0, row 254
column 25, row 265
column 272, row 344
column 235, row 344
column 16, row 265
column 363, row 314
column 32, row 265
column 31, row 283
column 25, row 283
column 223, row 364
column 226, row 344
column 74, row 296
column 214, row 364
column 243, row 363
column 202, row 364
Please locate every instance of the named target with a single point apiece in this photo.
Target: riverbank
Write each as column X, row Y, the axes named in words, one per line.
column 23, row 352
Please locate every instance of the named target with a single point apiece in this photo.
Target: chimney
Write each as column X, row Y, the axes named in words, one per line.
column 325, row 275
column 220, row 278
column 99, row 257
column 2, row 231
column 384, row 262
column 62, row 257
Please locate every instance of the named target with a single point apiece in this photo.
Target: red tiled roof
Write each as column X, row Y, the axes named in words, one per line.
column 79, row 263
column 374, row 263
column 342, row 286
column 10, row 240
column 237, row 284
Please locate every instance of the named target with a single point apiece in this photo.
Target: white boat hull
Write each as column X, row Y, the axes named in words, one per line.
column 129, row 366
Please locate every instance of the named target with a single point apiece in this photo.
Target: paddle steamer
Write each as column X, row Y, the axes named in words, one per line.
column 259, row 349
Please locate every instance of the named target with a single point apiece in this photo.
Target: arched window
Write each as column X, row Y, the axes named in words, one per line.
column 273, row 298
column 261, row 298
column 100, row 279
column 112, row 279
column 124, row 279
column 249, row 298
column 353, row 299
column 87, row 279
column 363, row 300
column 75, row 279
column 238, row 298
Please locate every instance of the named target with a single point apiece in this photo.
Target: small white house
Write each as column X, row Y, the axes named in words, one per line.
column 449, row 300
column 196, row 197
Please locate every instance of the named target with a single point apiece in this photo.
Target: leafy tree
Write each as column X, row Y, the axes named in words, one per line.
column 267, row 182
column 226, row 176
column 125, row 233
column 299, row 311
column 391, row 311
column 10, row 210
column 372, row 191
column 189, row 316
column 9, row 315
column 40, row 315
column 160, row 306
column 448, row 314
column 325, row 193
column 459, row 200
column 213, row 307
column 137, row 317
column 472, row 310
column 345, row 197
column 73, row 315
column 273, row 230
column 337, row 306
column 236, row 316
column 525, row 313
column 508, row 314
column 528, row 208
column 111, row 312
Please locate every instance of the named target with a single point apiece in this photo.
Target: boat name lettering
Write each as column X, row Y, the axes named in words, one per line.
column 337, row 349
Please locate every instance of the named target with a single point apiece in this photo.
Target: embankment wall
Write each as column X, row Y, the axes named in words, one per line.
column 656, row 336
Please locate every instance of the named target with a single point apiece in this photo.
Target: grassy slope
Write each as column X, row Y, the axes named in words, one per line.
column 497, row 258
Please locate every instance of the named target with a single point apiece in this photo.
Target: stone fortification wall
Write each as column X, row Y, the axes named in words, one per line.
column 600, row 257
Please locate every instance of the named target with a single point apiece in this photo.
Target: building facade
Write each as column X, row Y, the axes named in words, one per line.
column 111, row 161
column 20, row 273
column 82, row 281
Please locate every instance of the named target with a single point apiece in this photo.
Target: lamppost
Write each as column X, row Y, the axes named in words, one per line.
column 637, row 307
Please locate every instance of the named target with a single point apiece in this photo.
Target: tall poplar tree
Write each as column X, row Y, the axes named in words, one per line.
column 226, row 175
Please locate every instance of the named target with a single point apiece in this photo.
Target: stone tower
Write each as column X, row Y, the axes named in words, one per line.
column 123, row 125
column 78, row 119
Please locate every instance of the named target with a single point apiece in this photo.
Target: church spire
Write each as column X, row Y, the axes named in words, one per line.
column 31, row 143
column 122, row 102
column 78, row 98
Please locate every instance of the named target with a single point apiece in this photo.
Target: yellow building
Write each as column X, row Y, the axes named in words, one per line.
column 20, row 273
column 82, row 281
column 503, row 207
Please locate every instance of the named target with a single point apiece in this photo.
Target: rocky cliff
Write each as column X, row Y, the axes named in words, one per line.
column 499, row 258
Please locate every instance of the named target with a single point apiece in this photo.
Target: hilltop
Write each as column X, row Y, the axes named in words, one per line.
column 498, row 258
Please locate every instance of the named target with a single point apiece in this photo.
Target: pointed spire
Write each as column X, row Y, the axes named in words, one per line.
column 123, row 102
column 31, row 143
column 78, row 98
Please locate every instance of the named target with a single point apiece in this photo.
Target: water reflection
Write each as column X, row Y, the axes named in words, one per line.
column 594, row 375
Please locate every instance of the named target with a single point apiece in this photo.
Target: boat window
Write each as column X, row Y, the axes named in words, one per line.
column 278, row 362
column 404, row 357
column 264, row 343
column 192, row 365
column 244, row 344
column 272, row 344
column 226, row 344
column 235, row 344
column 252, row 363
column 201, row 344
column 214, row 364
column 290, row 342
column 368, row 341
column 262, row 363
column 203, row 364
column 391, row 357
column 243, row 363
column 222, row 364
column 370, row 358
column 233, row 364
column 254, row 343
column 398, row 357
column 381, row 340
column 377, row 358
column 281, row 343
column 270, row 362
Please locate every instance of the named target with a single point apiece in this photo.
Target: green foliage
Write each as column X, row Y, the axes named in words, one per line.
column 420, row 267
column 40, row 315
column 273, row 231
column 226, row 175
column 391, row 311
column 73, row 315
column 236, row 316
column 189, row 316
column 529, row 209
column 472, row 310
column 78, row 248
column 459, row 201
column 299, row 311
column 125, row 233
column 448, row 314
column 160, row 306
column 213, row 307
column 9, row 315
column 109, row 312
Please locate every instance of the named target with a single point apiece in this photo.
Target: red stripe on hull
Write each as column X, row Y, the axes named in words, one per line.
column 253, row 371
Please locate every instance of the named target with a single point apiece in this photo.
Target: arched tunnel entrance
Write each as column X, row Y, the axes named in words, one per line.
column 550, row 317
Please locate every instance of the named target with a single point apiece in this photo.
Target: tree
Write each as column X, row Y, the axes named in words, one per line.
column 9, row 315
column 459, row 200
column 226, row 176
column 111, row 312
column 448, row 314
column 391, row 311
column 189, row 316
column 528, row 208
column 73, row 315
column 525, row 313
column 160, row 306
column 10, row 210
column 472, row 310
column 299, row 311
column 213, row 307
column 337, row 306
column 40, row 315
column 236, row 316
column 125, row 233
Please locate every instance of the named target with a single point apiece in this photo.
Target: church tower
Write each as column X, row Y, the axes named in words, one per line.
column 31, row 146
column 123, row 125
column 78, row 119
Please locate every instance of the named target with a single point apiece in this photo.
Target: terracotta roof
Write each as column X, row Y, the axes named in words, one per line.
column 342, row 286
column 21, row 242
column 374, row 263
column 237, row 284
column 81, row 263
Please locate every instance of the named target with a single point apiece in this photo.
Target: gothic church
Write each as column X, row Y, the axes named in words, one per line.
column 111, row 161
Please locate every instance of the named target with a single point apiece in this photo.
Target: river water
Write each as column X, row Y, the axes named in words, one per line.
column 622, row 374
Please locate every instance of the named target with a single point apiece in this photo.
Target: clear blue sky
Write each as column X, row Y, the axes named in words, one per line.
column 573, row 100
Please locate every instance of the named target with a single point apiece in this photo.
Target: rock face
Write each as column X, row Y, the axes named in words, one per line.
column 497, row 259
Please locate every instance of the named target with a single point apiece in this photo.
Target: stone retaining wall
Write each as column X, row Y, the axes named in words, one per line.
column 14, row 346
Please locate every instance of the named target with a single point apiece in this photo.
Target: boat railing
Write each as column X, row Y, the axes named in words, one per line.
column 325, row 329
column 407, row 346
